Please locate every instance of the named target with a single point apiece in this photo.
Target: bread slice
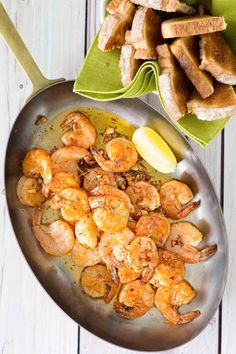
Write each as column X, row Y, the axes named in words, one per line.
column 128, row 64
column 166, row 5
column 186, row 51
column 146, row 29
column 146, row 54
column 118, row 7
column 192, row 26
column 218, row 58
column 220, row 105
column 174, row 86
column 112, row 33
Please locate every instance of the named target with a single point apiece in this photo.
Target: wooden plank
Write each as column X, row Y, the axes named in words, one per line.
column 29, row 321
column 229, row 304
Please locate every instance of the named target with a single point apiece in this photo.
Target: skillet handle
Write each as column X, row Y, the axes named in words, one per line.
column 16, row 44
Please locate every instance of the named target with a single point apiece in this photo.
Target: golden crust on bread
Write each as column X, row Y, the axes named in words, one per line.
column 112, row 33
column 217, row 58
column 118, row 7
column 192, row 26
column 128, row 64
column 174, row 86
column 166, row 5
column 146, row 54
column 186, row 51
column 221, row 104
column 146, row 29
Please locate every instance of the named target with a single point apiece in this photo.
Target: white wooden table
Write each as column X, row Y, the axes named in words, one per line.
column 58, row 33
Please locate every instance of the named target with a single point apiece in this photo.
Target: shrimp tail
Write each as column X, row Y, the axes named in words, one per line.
column 207, row 252
column 188, row 209
column 72, row 118
column 111, row 291
column 113, row 273
column 36, row 216
column 188, row 317
column 127, row 312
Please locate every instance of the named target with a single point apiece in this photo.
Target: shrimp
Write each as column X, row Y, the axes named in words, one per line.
column 122, row 156
column 182, row 294
column 63, row 180
column 127, row 274
column 84, row 256
column 37, row 163
column 142, row 256
column 182, row 240
column 135, row 299
column 155, row 226
column 112, row 246
column 29, row 192
column 111, row 208
column 175, row 197
column 164, row 303
column 96, row 177
column 66, row 159
column 72, row 202
column 83, row 132
column 86, row 231
column 96, row 282
column 57, row 239
column 170, row 271
column 143, row 195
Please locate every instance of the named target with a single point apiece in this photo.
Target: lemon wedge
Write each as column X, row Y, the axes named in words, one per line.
column 154, row 150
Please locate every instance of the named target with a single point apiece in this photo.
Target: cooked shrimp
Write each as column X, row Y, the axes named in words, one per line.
column 57, row 239
column 175, row 197
column 170, row 270
column 135, row 299
column 155, row 226
column 83, row 132
column 29, row 192
column 84, row 256
column 182, row 294
column 96, row 177
column 127, row 274
column 63, row 180
column 96, row 282
column 112, row 246
column 164, row 303
column 111, row 208
column 122, row 156
column 66, row 159
column 73, row 203
column 86, row 231
column 143, row 195
column 182, row 240
column 141, row 256
column 37, row 163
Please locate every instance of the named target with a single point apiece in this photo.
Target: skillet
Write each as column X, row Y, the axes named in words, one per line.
column 50, row 98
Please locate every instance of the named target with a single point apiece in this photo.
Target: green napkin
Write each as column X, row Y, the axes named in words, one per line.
column 99, row 79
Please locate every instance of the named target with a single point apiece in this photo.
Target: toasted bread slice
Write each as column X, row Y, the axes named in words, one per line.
column 118, row 7
column 128, row 64
column 186, row 51
column 146, row 54
column 218, row 58
column 146, row 29
column 174, row 86
column 220, row 105
column 166, row 5
column 112, row 33
column 192, row 26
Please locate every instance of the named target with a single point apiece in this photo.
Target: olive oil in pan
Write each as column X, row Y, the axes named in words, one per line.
column 49, row 137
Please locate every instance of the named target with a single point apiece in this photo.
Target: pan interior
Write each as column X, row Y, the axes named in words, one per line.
column 60, row 277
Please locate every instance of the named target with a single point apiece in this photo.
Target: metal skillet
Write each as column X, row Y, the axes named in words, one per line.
column 51, row 98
